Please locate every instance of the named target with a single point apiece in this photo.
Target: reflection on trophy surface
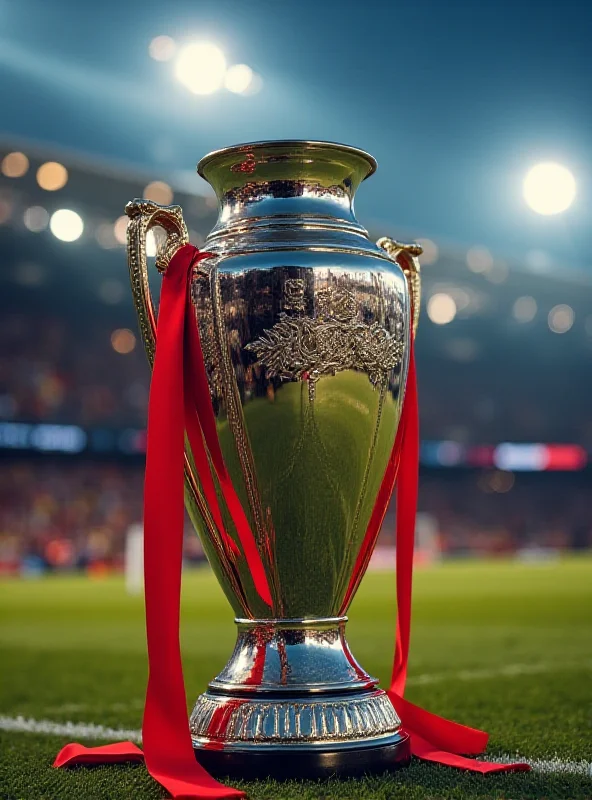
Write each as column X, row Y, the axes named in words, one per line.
column 304, row 325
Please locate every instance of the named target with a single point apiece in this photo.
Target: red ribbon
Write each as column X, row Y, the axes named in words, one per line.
column 433, row 738
column 179, row 402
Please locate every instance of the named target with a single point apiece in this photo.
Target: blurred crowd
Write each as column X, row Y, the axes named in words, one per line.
column 60, row 370
column 63, row 515
column 491, row 512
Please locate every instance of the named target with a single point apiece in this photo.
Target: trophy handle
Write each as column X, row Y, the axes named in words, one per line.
column 406, row 256
column 144, row 215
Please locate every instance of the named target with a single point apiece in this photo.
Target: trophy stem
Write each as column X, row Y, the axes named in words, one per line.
column 292, row 700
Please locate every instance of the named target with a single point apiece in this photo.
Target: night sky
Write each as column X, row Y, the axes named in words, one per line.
column 455, row 100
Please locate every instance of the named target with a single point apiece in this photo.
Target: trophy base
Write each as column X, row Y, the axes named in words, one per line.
column 292, row 702
column 286, row 763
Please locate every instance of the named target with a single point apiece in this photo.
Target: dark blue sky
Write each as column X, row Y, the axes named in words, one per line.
column 455, row 100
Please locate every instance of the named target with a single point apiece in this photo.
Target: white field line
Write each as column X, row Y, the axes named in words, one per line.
column 88, row 730
column 507, row 671
column 80, row 730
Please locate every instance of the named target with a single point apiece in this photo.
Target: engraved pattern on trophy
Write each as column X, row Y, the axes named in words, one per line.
column 335, row 340
column 331, row 720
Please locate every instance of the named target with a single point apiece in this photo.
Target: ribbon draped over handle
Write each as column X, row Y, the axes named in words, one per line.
column 143, row 216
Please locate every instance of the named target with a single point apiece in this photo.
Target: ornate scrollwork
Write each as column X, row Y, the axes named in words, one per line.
column 148, row 214
column 262, row 721
column 305, row 348
column 294, row 299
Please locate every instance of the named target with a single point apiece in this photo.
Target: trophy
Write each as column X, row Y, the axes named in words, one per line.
column 304, row 325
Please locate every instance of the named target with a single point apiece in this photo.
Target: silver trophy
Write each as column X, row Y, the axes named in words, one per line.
column 304, row 325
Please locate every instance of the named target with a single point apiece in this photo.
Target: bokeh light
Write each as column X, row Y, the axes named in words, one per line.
column 201, row 67
column 255, row 86
column 430, row 251
column 123, row 341
column 441, row 308
column 105, row 236
column 549, row 188
column 120, row 230
column 561, row 318
column 111, row 291
column 162, row 48
column 479, row 259
column 66, row 225
column 159, row 192
column 52, row 176
column 5, row 210
column 151, row 244
column 498, row 273
column 238, row 78
column 36, row 219
column 15, row 165
column 524, row 309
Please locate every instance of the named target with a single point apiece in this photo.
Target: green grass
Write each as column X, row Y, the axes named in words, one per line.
column 73, row 649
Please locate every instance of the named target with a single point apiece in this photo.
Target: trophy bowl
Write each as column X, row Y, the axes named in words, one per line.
column 304, row 326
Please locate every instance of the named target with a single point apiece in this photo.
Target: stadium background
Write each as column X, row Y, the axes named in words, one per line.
column 457, row 103
column 504, row 385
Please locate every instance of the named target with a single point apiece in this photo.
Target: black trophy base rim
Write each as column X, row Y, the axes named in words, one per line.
column 315, row 763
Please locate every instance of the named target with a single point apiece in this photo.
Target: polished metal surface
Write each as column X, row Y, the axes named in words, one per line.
column 284, row 656
column 329, row 720
column 304, row 324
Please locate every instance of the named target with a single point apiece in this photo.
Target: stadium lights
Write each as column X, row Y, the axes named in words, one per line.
column 524, row 309
column 66, row 225
column 441, row 308
column 52, row 176
column 162, row 48
column 430, row 251
column 238, row 78
column 479, row 260
column 15, row 165
column 159, row 192
column 123, row 341
column 201, row 67
column 36, row 219
column 561, row 318
column 120, row 229
column 549, row 188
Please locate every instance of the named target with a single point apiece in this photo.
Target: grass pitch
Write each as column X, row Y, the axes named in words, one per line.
column 502, row 646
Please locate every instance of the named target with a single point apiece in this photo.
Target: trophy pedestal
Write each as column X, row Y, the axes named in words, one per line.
column 292, row 702
column 285, row 762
